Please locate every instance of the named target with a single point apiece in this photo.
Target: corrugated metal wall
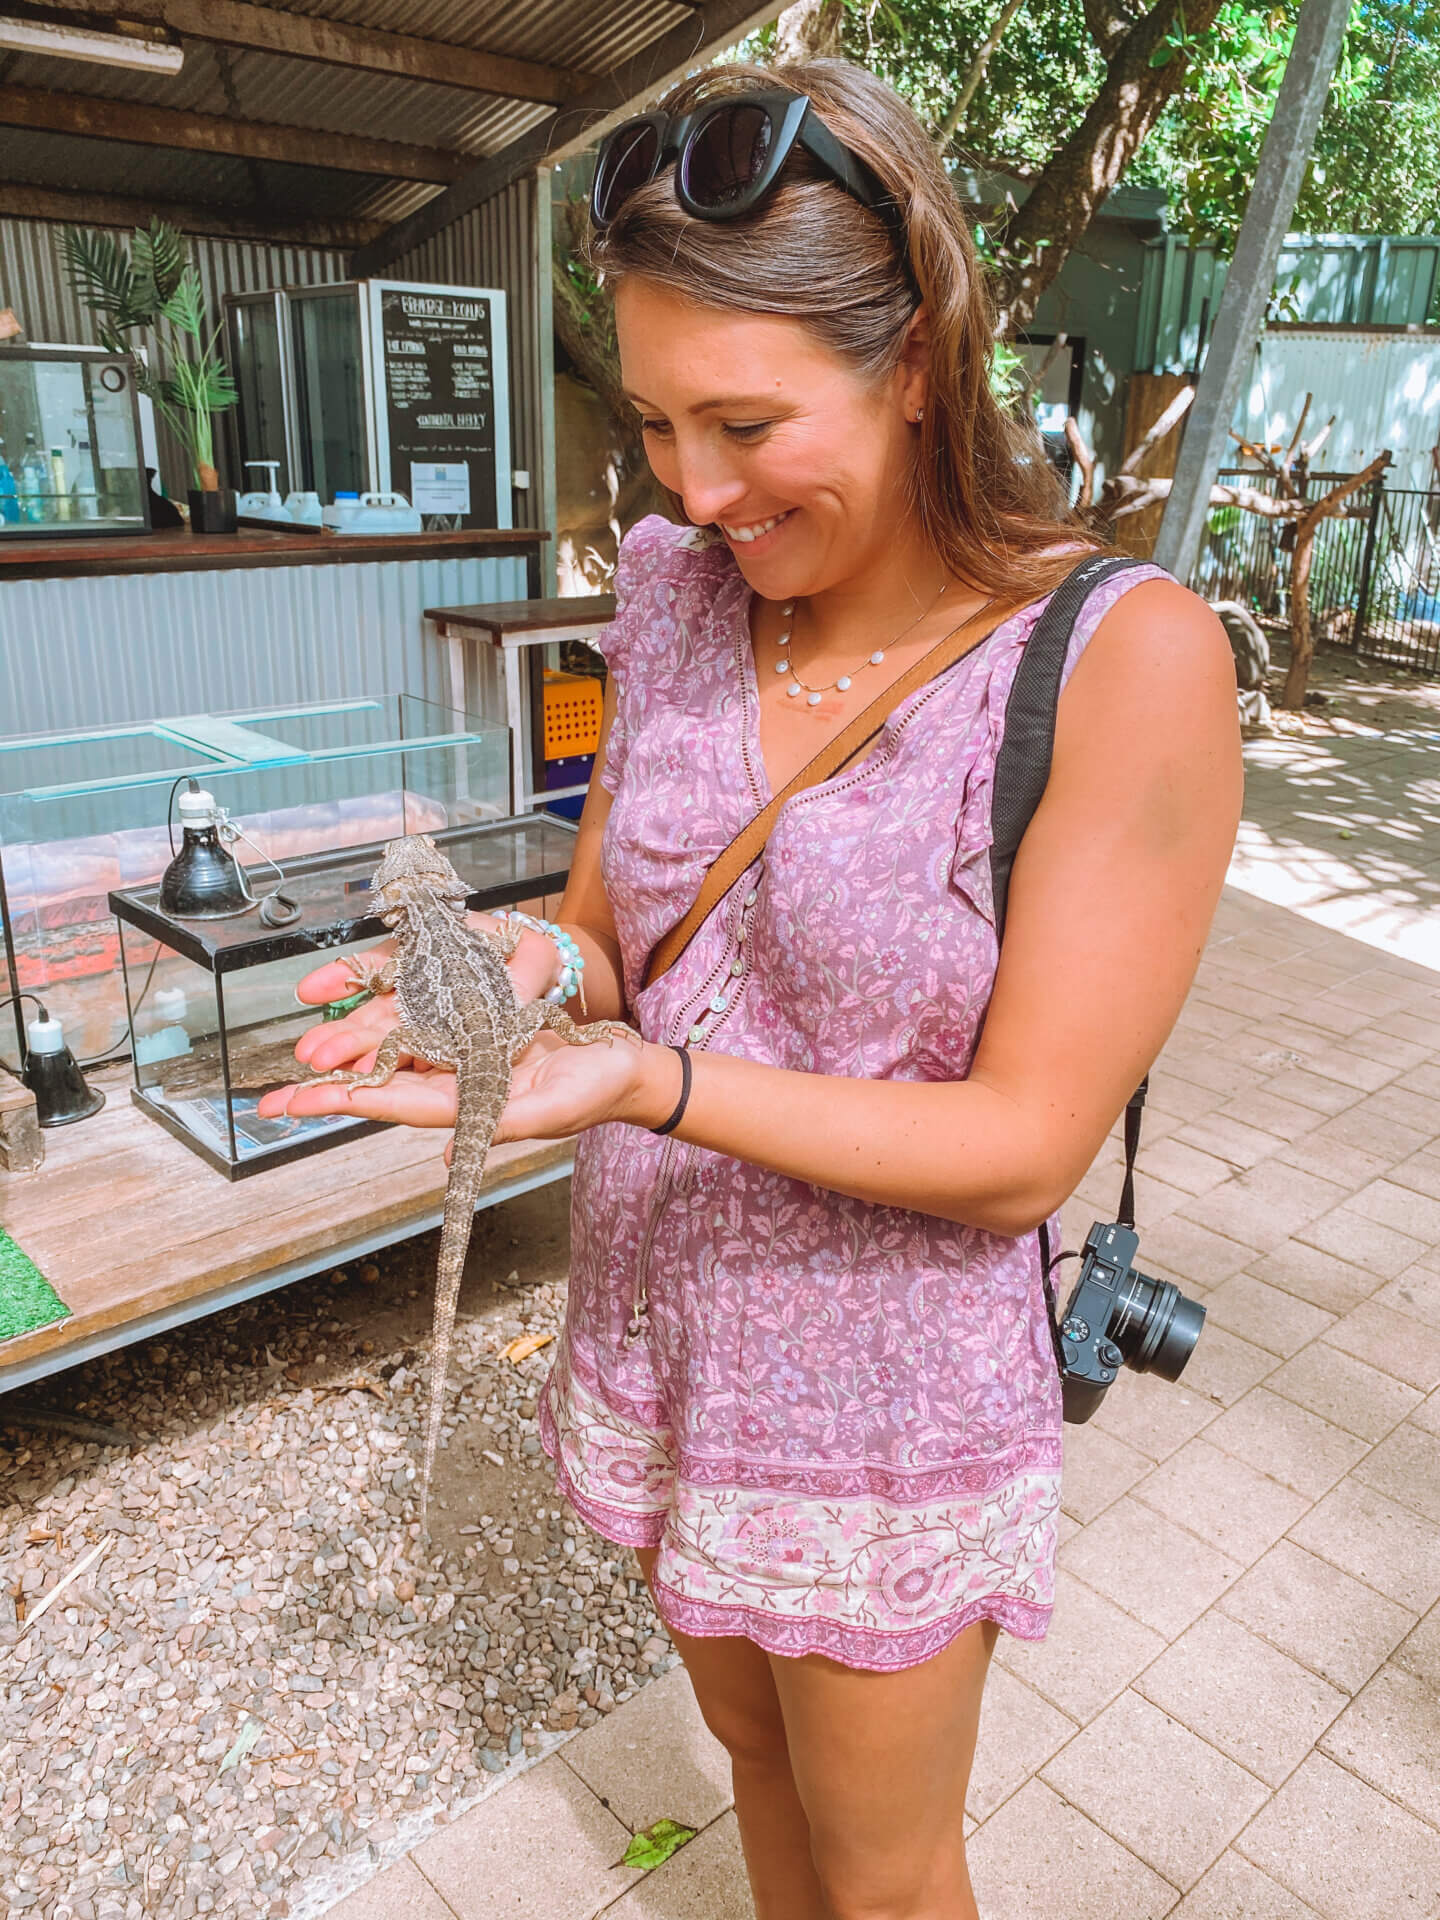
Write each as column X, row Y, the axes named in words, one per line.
column 506, row 243
column 1383, row 388
column 88, row 653
column 1363, row 280
column 33, row 281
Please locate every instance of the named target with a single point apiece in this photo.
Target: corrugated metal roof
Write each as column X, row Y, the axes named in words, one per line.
column 252, row 187
column 278, row 91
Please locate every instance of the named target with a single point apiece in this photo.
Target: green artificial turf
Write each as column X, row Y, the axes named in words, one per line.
column 27, row 1299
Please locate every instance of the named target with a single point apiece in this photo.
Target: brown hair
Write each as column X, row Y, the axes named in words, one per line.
column 987, row 498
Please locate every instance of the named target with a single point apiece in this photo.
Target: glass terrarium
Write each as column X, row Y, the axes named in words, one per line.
column 70, row 449
column 211, row 1003
column 87, row 814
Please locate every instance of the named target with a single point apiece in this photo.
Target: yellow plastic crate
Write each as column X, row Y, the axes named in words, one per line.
column 573, row 706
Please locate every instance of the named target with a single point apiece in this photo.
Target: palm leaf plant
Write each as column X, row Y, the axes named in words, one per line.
column 154, row 286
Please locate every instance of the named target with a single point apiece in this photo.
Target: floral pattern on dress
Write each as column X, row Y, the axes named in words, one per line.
column 841, row 1423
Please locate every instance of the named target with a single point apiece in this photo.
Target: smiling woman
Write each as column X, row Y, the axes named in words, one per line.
column 807, row 1369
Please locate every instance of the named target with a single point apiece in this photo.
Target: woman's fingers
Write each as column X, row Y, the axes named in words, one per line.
column 335, row 981
column 340, row 1043
column 409, row 1099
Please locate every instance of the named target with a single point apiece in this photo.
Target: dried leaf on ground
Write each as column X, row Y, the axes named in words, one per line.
column 524, row 1345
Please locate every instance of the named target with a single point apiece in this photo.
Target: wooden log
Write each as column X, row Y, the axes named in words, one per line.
column 22, row 1145
column 149, row 126
column 233, row 223
column 228, row 23
column 1302, row 638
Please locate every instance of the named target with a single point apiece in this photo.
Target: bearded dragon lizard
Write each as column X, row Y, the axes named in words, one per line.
column 457, row 1009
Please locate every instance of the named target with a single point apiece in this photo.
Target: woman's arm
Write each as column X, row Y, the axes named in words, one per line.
column 1110, row 902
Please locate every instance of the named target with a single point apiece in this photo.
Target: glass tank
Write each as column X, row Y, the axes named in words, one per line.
column 70, row 449
column 211, row 1004
column 85, row 815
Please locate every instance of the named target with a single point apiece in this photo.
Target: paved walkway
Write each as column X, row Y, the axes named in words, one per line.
column 1235, row 1715
column 1346, row 830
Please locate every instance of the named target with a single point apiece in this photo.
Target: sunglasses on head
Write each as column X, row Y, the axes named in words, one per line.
column 728, row 153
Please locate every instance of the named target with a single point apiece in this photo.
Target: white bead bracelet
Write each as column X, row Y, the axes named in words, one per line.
column 572, row 961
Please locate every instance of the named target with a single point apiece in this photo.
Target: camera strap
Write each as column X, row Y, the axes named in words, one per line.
column 1022, row 772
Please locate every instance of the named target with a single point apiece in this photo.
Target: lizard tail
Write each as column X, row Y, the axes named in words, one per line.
column 474, row 1129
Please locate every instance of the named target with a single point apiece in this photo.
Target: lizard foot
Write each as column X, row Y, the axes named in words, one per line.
column 558, row 1021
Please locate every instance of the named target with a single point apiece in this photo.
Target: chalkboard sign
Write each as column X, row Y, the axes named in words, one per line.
column 444, row 440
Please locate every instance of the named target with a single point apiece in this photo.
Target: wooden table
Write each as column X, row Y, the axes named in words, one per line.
column 137, row 1235
column 513, row 626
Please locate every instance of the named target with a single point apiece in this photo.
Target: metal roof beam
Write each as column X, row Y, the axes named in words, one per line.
column 148, row 126
column 231, row 223
column 229, row 23
column 713, row 25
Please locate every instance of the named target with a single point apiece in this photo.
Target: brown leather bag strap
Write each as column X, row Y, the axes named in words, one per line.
column 749, row 843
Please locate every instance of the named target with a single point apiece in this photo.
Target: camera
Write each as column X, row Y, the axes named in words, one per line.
column 1118, row 1317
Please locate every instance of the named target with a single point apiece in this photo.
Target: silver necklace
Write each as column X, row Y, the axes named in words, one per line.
column 813, row 695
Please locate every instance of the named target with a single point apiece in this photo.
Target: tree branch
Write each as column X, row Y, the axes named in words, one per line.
column 1108, row 24
column 1085, row 461
column 808, row 30
column 1302, row 637
column 970, row 86
column 1075, row 183
column 1170, row 418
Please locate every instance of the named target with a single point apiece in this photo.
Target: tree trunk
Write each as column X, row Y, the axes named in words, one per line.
column 810, row 30
column 1074, row 185
column 1302, row 638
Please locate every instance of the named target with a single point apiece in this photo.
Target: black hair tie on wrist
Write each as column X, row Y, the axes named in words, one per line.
column 678, row 1115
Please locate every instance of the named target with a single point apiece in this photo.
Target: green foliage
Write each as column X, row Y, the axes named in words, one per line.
column 1376, row 167
column 1008, row 381
column 154, row 288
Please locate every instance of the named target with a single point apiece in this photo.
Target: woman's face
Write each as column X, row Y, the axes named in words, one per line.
column 762, row 431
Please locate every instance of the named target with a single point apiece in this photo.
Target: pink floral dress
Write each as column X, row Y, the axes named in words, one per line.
column 839, row 1423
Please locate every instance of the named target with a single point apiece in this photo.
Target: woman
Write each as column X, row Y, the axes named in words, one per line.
column 807, row 1370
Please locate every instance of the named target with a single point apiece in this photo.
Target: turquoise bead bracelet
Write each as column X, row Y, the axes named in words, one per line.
column 572, row 961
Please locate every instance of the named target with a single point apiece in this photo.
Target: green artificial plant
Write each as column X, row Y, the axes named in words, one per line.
column 155, row 286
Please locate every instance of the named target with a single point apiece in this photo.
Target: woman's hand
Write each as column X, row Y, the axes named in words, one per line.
column 558, row 1089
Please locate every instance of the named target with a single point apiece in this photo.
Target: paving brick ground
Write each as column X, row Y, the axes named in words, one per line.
column 1237, row 1713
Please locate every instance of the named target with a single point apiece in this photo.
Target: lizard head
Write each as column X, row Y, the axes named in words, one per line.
column 409, row 867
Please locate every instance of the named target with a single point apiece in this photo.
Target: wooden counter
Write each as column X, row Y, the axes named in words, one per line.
column 137, row 1235
column 184, row 552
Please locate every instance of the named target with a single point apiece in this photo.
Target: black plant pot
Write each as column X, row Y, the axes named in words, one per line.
column 213, row 512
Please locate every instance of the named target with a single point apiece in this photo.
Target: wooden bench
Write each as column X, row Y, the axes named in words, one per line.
column 513, row 626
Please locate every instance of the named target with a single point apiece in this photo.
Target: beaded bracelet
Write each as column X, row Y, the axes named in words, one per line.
column 572, row 961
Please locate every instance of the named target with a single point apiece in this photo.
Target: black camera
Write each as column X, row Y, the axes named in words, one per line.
column 1119, row 1317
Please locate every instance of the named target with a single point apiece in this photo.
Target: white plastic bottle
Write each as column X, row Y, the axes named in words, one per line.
column 34, row 483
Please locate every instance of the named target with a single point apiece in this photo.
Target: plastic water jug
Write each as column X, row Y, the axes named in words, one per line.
column 382, row 513
column 338, row 516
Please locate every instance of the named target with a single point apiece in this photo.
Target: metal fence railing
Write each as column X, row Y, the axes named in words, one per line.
column 1375, row 571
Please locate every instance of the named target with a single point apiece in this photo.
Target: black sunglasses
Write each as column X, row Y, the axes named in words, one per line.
column 728, row 153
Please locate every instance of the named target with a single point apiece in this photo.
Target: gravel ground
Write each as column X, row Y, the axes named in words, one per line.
column 262, row 1687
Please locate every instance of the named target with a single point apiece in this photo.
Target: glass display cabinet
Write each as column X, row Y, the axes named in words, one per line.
column 71, row 461
column 87, row 814
column 378, row 385
column 211, row 1003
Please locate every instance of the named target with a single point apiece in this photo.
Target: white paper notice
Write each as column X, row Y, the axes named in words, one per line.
column 440, row 486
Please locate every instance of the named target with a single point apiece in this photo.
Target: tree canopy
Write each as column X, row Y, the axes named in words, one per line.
column 1376, row 167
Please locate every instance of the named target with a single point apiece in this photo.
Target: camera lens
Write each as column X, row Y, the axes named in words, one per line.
column 1155, row 1326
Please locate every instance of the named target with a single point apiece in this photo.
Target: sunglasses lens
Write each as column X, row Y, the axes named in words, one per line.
column 629, row 160
column 726, row 156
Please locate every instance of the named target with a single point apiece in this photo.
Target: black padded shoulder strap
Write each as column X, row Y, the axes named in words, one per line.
column 1022, row 766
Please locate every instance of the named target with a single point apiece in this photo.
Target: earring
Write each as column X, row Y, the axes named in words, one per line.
column 919, row 416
